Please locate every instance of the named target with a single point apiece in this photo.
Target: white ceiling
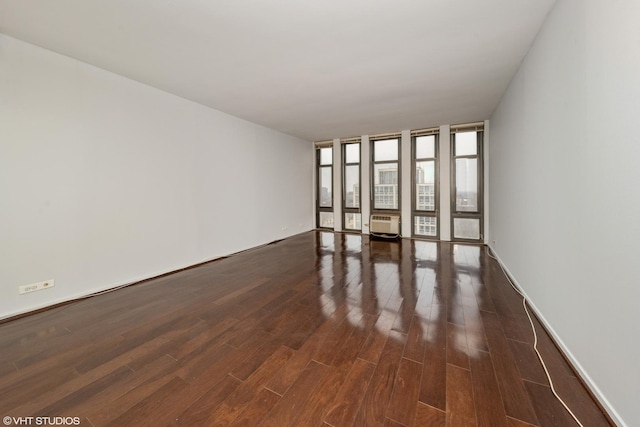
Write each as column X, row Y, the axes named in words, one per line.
column 317, row 69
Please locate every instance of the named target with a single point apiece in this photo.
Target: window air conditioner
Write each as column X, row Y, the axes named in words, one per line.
column 384, row 225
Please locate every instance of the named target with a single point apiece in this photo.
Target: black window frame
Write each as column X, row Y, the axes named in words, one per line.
column 351, row 210
column 319, row 166
column 373, row 164
column 478, row 214
column 415, row 212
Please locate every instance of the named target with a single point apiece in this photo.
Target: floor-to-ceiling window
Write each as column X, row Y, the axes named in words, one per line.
column 352, row 218
column 423, row 213
column 324, row 186
column 385, row 155
column 466, row 182
column 424, row 147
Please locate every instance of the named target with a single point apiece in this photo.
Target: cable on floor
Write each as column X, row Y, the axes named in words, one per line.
column 525, row 301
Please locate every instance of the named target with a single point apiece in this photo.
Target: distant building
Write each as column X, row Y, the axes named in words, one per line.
column 385, row 189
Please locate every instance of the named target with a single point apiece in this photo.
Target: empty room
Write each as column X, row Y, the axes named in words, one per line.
column 319, row 213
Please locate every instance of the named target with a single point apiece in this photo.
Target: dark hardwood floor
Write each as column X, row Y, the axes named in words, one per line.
column 320, row 329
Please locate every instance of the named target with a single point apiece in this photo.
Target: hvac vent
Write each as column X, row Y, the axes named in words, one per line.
column 386, row 225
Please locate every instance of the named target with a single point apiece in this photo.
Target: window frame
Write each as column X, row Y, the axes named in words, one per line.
column 479, row 213
column 351, row 210
column 319, row 166
column 414, row 202
column 373, row 163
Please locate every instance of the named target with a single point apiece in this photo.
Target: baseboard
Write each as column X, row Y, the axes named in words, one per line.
column 568, row 355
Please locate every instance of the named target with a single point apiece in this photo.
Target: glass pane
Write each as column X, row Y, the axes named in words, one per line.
column 426, row 147
column 352, row 153
column 467, row 185
column 425, row 188
column 466, row 228
column 352, row 186
column 466, row 144
column 352, row 221
column 386, row 149
column 385, row 188
column 326, row 219
column 324, row 186
column 326, row 156
column 425, row 226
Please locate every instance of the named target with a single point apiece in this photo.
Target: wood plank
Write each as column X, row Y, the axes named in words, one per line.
column 316, row 407
column 528, row 363
column 260, row 407
column 460, row 403
column 286, row 408
column 476, row 338
column 404, row 400
column 488, row 402
column 549, row 410
column 153, row 408
column 517, row 423
column 390, row 423
column 416, row 336
column 290, row 372
column 434, row 369
column 336, row 339
column 245, row 393
column 19, row 394
column 373, row 409
column 199, row 411
column 139, row 387
column 375, row 342
column 517, row 402
column 234, row 341
column 457, row 350
column 70, row 403
column 348, row 400
column 429, row 416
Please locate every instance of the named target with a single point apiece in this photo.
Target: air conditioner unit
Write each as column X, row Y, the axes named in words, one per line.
column 386, row 225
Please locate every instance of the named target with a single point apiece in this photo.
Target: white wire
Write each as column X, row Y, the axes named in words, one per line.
column 535, row 338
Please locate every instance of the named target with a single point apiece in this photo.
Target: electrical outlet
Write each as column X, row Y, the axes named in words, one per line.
column 285, row 228
column 25, row 289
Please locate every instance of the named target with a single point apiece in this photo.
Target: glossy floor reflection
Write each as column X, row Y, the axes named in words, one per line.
column 319, row 329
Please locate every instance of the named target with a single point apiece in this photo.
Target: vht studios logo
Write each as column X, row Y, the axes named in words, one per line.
column 41, row 421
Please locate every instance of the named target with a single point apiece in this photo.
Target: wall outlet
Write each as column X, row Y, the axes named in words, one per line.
column 285, row 228
column 25, row 289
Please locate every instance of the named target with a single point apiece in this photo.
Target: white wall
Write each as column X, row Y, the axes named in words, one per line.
column 105, row 181
column 365, row 185
column 337, row 185
column 444, row 153
column 564, row 189
column 406, row 166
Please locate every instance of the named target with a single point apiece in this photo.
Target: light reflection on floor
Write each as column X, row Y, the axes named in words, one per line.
column 362, row 275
